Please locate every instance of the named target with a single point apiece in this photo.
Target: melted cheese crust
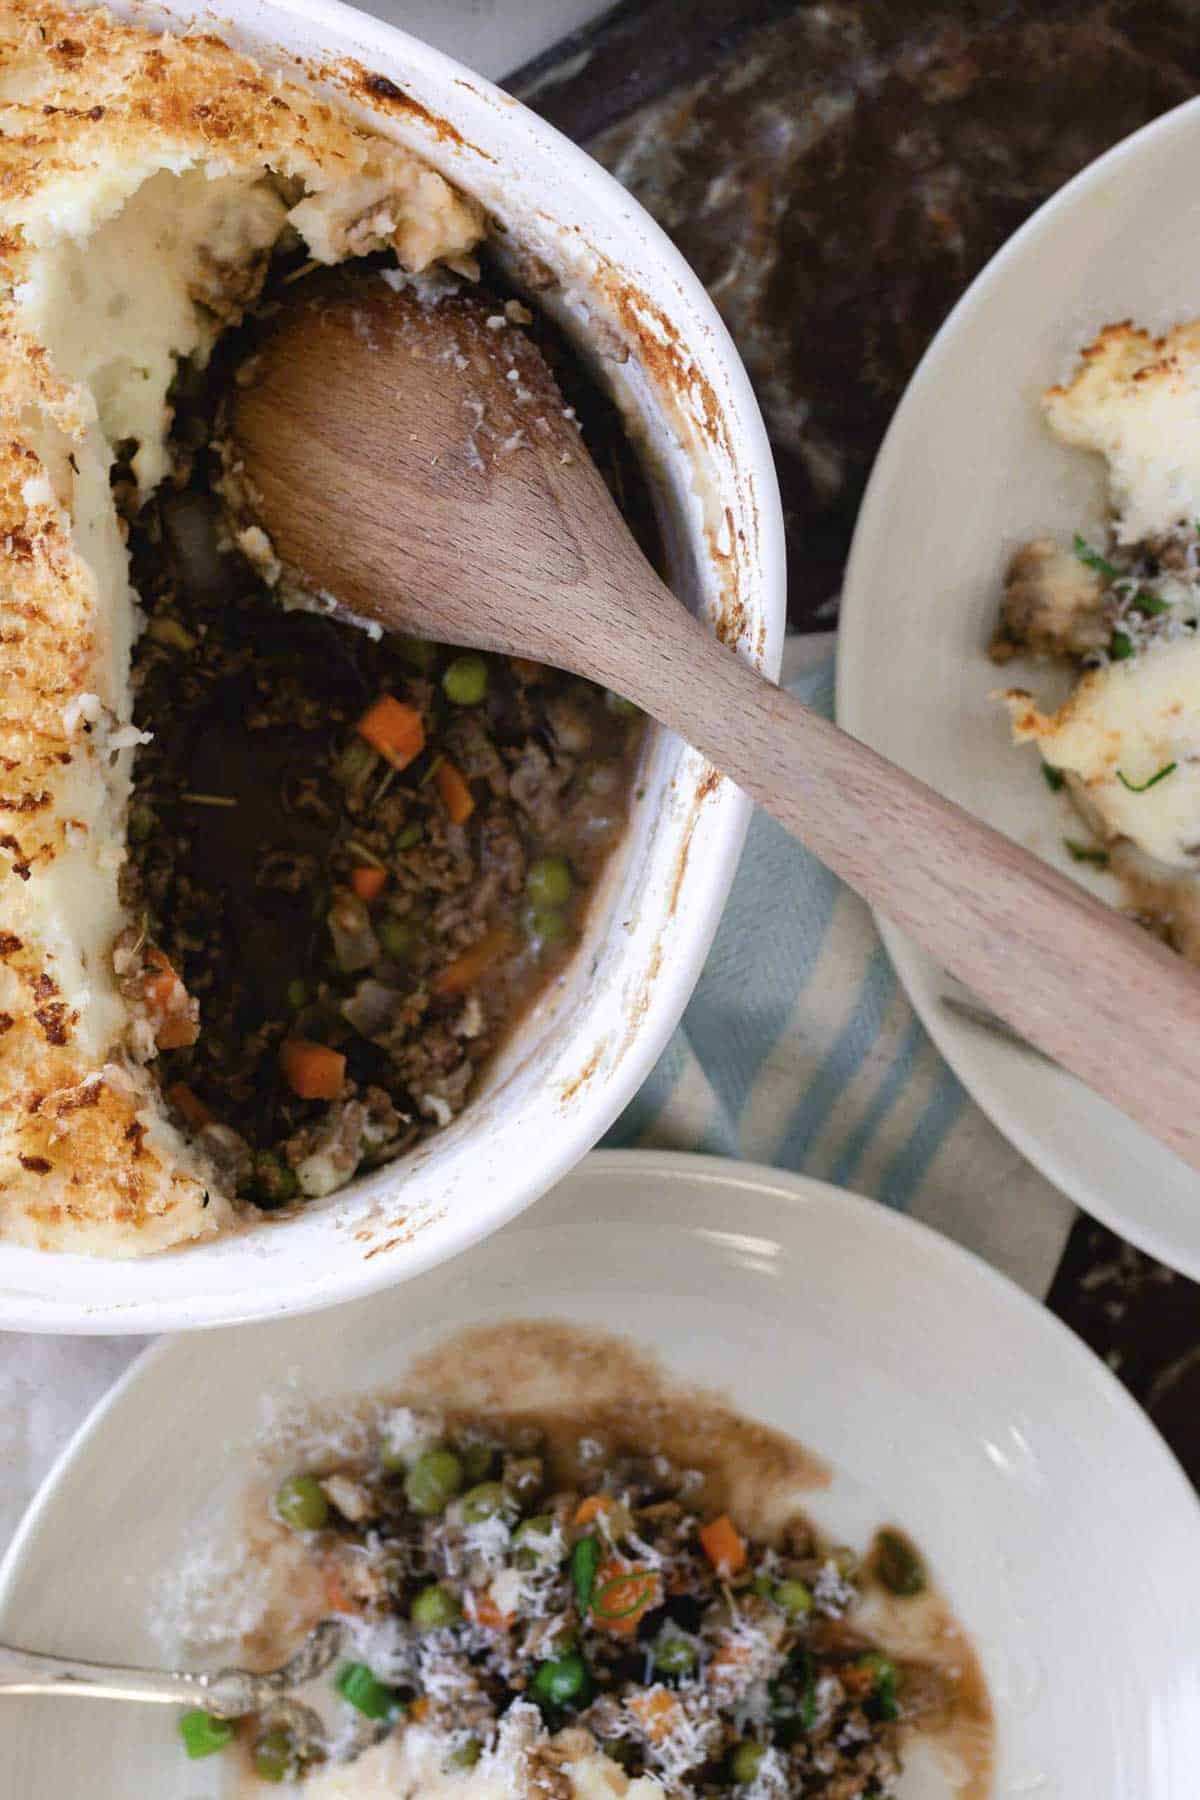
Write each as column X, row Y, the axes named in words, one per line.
column 143, row 180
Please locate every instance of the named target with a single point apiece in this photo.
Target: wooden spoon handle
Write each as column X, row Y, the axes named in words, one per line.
column 1086, row 985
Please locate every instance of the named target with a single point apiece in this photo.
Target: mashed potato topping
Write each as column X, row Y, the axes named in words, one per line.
column 143, row 183
column 1136, row 399
column 413, row 1766
column 1122, row 727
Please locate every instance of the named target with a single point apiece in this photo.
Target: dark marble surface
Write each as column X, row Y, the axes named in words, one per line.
column 838, row 173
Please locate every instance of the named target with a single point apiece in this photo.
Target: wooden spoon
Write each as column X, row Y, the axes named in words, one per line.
column 417, row 462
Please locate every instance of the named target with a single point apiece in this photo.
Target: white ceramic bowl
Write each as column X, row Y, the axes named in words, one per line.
column 967, row 473
column 1063, row 1534
column 629, row 300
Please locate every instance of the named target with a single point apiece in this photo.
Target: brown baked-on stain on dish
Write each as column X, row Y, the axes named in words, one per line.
column 381, row 91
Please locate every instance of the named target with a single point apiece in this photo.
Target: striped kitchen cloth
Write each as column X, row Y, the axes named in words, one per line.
column 799, row 1048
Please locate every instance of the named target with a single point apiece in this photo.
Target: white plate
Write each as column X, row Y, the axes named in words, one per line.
column 1065, row 1536
column 968, row 472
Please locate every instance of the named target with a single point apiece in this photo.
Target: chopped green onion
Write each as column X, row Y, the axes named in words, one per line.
column 1084, row 853
column 202, row 1734
column 1092, row 559
column 585, row 1560
column 1120, row 649
column 1054, row 777
column 408, row 835
column 1150, row 604
column 806, row 1669
column 1167, row 769
column 467, row 1755
column 356, row 1684
column 297, row 993
column 643, row 1587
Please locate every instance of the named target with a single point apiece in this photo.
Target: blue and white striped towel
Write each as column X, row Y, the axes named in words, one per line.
column 800, row 1049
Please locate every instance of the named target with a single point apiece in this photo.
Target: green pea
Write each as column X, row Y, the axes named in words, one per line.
column 301, row 1503
column 396, row 936
column 764, row 1587
column 467, row 1755
column 618, row 704
column 483, row 1501
column 745, row 1759
column 563, row 1682
column 897, row 1564
column 408, row 835
column 277, row 1180
column 202, row 1734
column 418, row 653
column 545, row 925
column 433, row 1481
column 274, row 1756
column 527, row 1556
column 548, row 882
column 297, row 993
column 793, row 1598
column 434, row 1607
column 465, row 681
column 674, row 1655
column 478, row 1461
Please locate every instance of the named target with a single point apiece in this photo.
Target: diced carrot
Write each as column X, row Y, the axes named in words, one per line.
column 485, row 1612
column 657, row 1711
column 419, row 1709
column 367, row 881
column 168, row 1003
column 311, row 1070
column 456, row 795
column 466, row 969
column 189, row 1104
column 337, row 1596
column 396, row 730
column 591, row 1508
column 723, row 1546
column 622, row 1596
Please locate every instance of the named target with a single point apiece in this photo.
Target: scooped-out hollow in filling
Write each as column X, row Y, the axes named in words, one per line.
column 271, row 888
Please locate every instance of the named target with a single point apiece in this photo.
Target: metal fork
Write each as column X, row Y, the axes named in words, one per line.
column 227, row 1694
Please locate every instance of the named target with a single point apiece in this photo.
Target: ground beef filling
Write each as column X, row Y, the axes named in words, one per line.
column 480, row 1574
column 353, row 863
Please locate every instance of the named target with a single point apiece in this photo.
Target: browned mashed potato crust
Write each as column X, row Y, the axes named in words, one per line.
column 89, row 108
